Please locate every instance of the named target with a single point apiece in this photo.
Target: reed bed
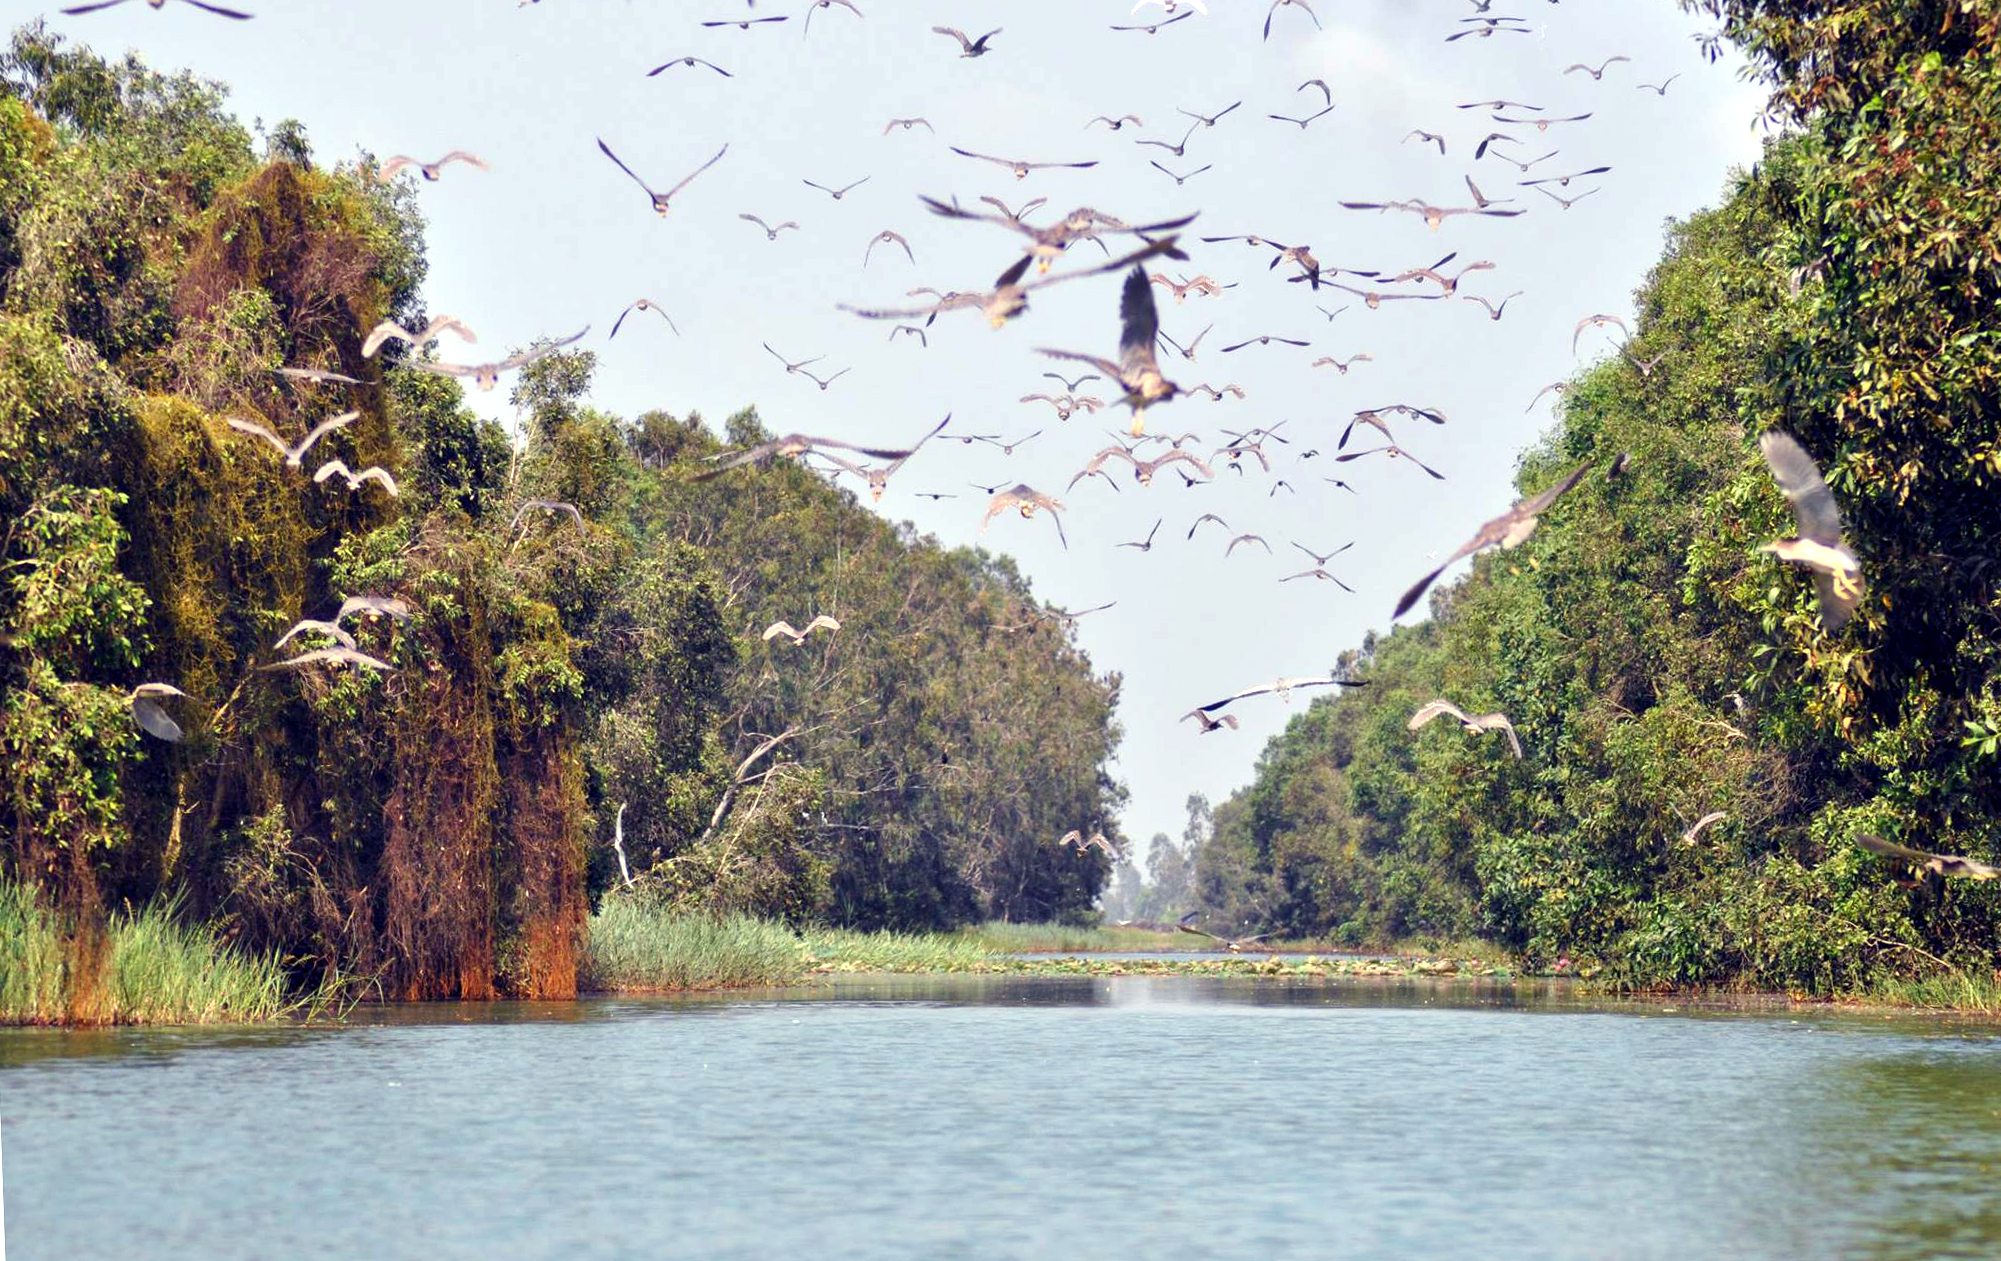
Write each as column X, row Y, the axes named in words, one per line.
column 158, row 970
column 640, row 946
column 844, row 950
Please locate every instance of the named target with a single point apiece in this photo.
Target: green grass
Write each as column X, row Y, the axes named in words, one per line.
column 844, row 950
column 164, row 971
column 158, row 970
column 1949, row 991
column 638, row 946
column 31, row 960
column 1008, row 938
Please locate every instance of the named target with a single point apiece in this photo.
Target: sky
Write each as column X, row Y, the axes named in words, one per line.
column 554, row 238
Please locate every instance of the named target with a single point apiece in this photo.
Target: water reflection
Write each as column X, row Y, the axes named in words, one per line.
column 951, row 1116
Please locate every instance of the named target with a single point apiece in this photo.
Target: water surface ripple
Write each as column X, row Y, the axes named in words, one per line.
column 1013, row 1117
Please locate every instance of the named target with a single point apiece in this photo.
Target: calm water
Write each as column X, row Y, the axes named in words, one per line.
column 1028, row 1117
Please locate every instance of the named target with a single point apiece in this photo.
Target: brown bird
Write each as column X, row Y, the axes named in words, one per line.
column 1026, row 500
column 660, row 200
column 1479, row 725
column 1943, row 864
column 1837, row 575
column 1511, row 529
column 1137, row 370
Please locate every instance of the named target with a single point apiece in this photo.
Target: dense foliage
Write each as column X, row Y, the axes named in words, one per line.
column 1657, row 667
column 441, row 829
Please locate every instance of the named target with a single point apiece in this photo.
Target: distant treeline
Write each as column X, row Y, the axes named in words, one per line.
column 1847, row 291
column 441, row 829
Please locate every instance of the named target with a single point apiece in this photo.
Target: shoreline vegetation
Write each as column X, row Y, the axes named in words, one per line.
column 568, row 706
column 161, row 970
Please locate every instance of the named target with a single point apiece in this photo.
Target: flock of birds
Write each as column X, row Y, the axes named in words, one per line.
column 1133, row 376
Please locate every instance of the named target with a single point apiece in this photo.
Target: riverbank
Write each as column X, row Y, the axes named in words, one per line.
column 160, row 970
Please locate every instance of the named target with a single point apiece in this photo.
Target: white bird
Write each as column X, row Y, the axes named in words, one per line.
column 294, row 456
column 799, row 636
column 437, row 327
column 329, row 656
column 374, row 473
column 1172, row 6
column 1475, row 725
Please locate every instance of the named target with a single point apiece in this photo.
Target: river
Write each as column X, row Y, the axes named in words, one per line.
column 1014, row 1117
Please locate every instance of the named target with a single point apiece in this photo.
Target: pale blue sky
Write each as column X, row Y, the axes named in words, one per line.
column 554, row 237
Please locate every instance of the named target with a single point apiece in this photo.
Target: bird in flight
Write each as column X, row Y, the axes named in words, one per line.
column 550, row 506
column 146, row 710
column 689, row 61
column 822, row 622
column 1115, row 123
column 342, row 656
column 907, row 124
column 792, row 444
column 827, row 4
column 1493, row 311
column 1153, row 28
column 829, row 381
column 437, row 327
column 1566, row 202
column 1837, row 575
column 216, row 9
column 1281, row 687
column 294, row 455
column 1295, row 4
column 1137, row 369
column 1434, row 216
column 1284, row 118
column 1659, row 89
column 374, row 472
column 1395, row 452
column 743, row 24
column 770, row 233
column 487, row 375
column 317, row 376
column 1009, row 296
column 1596, row 321
column 1235, row 945
column 1479, row 725
column 887, row 237
column 643, row 304
column 969, row 47
column 430, row 170
column 1265, row 339
column 1509, row 530
column 1207, row 120
column 1021, row 169
column 838, row 193
column 1599, row 72
column 1026, row 500
column 1179, row 179
column 660, row 200
column 1210, row 724
column 1343, row 366
column 1145, row 545
column 1943, row 864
